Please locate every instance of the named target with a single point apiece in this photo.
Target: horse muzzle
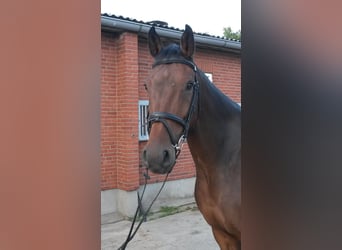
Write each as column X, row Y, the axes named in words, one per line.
column 158, row 159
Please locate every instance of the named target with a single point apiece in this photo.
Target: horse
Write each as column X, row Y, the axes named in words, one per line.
column 185, row 106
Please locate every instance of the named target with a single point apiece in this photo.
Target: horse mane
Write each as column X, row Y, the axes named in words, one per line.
column 170, row 52
column 226, row 106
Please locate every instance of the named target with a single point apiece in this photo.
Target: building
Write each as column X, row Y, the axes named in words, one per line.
column 125, row 63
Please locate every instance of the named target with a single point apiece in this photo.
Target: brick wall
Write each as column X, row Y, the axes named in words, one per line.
column 126, row 63
column 226, row 70
column 108, row 111
column 119, row 112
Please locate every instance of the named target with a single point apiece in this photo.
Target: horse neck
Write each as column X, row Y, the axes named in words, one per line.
column 216, row 131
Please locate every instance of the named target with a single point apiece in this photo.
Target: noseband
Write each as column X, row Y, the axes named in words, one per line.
column 164, row 116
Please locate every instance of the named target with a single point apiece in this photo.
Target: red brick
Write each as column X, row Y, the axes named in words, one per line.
column 126, row 63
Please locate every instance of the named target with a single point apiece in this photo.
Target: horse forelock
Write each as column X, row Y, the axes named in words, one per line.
column 171, row 52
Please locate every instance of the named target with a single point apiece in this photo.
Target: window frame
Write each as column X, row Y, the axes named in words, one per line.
column 142, row 122
column 209, row 75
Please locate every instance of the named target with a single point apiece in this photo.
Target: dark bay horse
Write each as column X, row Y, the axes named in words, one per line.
column 185, row 105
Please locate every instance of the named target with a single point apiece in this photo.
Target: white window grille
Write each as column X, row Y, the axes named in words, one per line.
column 143, row 126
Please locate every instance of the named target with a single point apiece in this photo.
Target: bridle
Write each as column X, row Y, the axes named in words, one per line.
column 164, row 116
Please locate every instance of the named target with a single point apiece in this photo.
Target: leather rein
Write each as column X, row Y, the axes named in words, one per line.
column 164, row 116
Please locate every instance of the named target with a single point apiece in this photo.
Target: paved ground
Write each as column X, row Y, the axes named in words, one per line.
column 185, row 230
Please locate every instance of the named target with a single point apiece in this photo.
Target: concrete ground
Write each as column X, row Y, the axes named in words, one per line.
column 182, row 230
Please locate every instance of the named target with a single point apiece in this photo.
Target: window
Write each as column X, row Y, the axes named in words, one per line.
column 210, row 76
column 143, row 110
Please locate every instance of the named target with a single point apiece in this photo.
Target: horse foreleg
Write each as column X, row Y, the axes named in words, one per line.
column 226, row 241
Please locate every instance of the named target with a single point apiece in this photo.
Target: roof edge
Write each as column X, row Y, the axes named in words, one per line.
column 116, row 24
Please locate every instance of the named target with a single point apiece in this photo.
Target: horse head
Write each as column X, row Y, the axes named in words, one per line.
column 171, row 88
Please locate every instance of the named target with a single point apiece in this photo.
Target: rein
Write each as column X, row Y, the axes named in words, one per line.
column 139, row 210
column 164, row 116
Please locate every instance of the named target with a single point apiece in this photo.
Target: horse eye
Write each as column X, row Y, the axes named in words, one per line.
column 189, row 85
column 145, row 86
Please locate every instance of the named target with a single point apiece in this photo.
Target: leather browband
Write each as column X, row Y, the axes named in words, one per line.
column 169, row 61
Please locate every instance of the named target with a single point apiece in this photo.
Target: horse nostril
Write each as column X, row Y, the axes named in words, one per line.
column 166, row 156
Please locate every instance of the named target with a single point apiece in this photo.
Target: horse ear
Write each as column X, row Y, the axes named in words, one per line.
column 154, row 42
column 187, row 43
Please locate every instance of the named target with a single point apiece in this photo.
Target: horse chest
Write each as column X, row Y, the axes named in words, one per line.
column 208, row 202
column 218, row 201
